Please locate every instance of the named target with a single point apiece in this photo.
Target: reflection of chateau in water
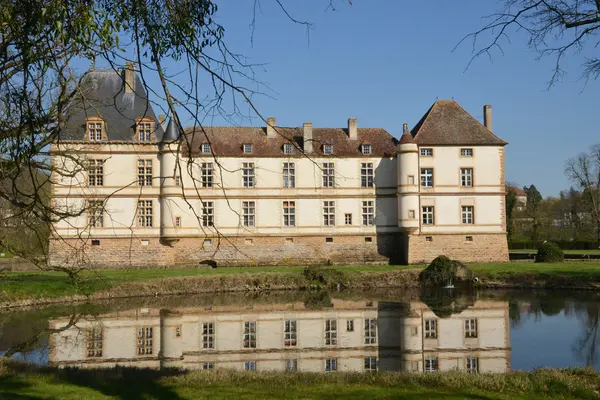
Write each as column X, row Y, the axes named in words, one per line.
column 350, row 336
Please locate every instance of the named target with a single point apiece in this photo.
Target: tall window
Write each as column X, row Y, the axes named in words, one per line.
column 206, row 148
column 430, row 329
column 95, row 213
column 96, row 172
column 330, row 332
column 428, row 215
column 144, row 131
column 472, row 365
column 431, row 364
column 427, row 152
column 144, row 343
column 470, row 328
column 331, row 365
column 365, row 149
column 328, row 149
column 466, row 177
column 95, row 129
column 208, row 213
column 467, row 214
column 348, row 219
column 208, row 335
column 427, row 177
column 290, row 333
column 94, row 342
column 250, row 335
column 249, row 213
column 370, row 364
column 366, row 174
column 328, row 175
column 144, row 213
column 370, row 330
column 329, row 213
column 368, row 213
column 289, row 175
column 206, row 174
column 145, row 172
column 250, row 365
column 287, row 148
column 289, row 213
column 248, row 174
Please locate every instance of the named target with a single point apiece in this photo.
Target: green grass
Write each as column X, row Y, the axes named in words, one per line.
column 574, row 269
column 19, row 381
column 534, row 251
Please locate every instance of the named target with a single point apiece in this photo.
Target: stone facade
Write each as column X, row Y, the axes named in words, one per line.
column 423, row 249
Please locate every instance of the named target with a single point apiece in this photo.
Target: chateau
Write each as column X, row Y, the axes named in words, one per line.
column 141, row 192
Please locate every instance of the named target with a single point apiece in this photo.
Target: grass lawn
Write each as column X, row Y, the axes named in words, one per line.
column 534, row 251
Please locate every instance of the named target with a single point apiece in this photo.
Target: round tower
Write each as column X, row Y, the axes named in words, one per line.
column 408, row 183
column 171, row 333
column 169, row 174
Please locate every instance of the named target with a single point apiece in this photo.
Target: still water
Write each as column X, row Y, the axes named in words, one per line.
column 391, row 330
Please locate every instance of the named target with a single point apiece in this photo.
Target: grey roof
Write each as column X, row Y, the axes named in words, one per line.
column 172, row 132
column 102, row 95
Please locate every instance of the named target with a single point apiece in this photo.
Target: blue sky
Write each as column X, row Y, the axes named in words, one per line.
column 385, row 62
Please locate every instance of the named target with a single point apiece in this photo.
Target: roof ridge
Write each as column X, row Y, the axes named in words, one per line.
column 479, row 122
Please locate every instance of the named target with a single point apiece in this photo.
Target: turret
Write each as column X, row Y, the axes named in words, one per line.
column 169, row 177
column 408, row 182
column 171, row 334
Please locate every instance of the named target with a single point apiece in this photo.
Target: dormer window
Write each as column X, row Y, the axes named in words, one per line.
column 287, row 148
column 206, row 148
column 328, row 149
column 365, row 149
column 144, row 128
column 247, row 148
column 95, row 129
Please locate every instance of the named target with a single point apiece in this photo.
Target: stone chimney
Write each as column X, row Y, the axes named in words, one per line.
column 487, row 116
column 405, row 129
column 161, row 120
column 308, row 137
column 271, row 132
column 352, row 130
column 129, row 77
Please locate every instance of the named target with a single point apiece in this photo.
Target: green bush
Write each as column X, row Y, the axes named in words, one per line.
column 323, row 276
column 549, row 252
column 438, row 273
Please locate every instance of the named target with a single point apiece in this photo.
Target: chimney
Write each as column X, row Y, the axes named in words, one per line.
column 129, row 77
column 352, row 131
column 308, row 137
column 161, row 120
column 487, row 116
column 405, row 129
column 271, row 122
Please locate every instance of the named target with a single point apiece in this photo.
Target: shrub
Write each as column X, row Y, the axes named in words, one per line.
column 323, row 276
column 438, row 273
column 549, row 252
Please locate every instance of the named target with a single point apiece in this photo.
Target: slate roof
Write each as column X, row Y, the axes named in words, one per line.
column 447, row 123
column 102, row 94
column 229, row 141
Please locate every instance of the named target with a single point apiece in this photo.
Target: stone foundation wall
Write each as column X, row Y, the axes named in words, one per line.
column 483, row 248
column 260, row 250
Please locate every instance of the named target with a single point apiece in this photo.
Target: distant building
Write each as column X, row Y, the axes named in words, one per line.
column 521, row 197
column 151, row 195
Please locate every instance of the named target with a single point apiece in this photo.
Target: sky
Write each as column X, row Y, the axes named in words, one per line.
column 385, row 62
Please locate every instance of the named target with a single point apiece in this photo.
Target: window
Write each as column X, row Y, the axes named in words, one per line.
column 430, row 329
column 289, row 175
column 350, row 325
column 427, row 152
column 95, row 130
column 144, row 343
column 428, row 215
column 95, row 213
column 287, row 148
column 328, row 149
column 330, row 332
column 289, row 213
column 328, row 175
column 331, row 365
column 467, row 214
column 370, row 330
column 248, row 175
column 207, row 243
column 144, row 213
column 291, row 365
column 248, row 242
column 411, row 214
column 145, row 172
column 208, row 335
column 206, row 148
column 466, row 177
column 427, row 177
column 468, row 238
column 95, row 242
column 94, row 342
column 250, row 365
column 249, row 213
column 206, row 174
column 329, row 213
column 368, row 239
column 329, row 240
column 466, row 152
column 289, row 240
column 415, row 366
column 414, row 331
column 208, row 213
column 368, row 213
column 178, row 331
column 366, row 174
column 250, row 335
column 248, row 148
column 431, row 364
column 470, row 328
column 208, row 366
column 472, row 365
column 290, row 333
column 428, row 239
column 177, row 180
column 370, row 364
column 144, row 130
column 365, row 149
column 348, row 219
column 96, row 173
column 178, row 221
column 411, row 179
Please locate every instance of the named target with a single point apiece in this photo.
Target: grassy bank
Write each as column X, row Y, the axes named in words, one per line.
column 36, row 288
column 533, row 251
column 19, row 381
